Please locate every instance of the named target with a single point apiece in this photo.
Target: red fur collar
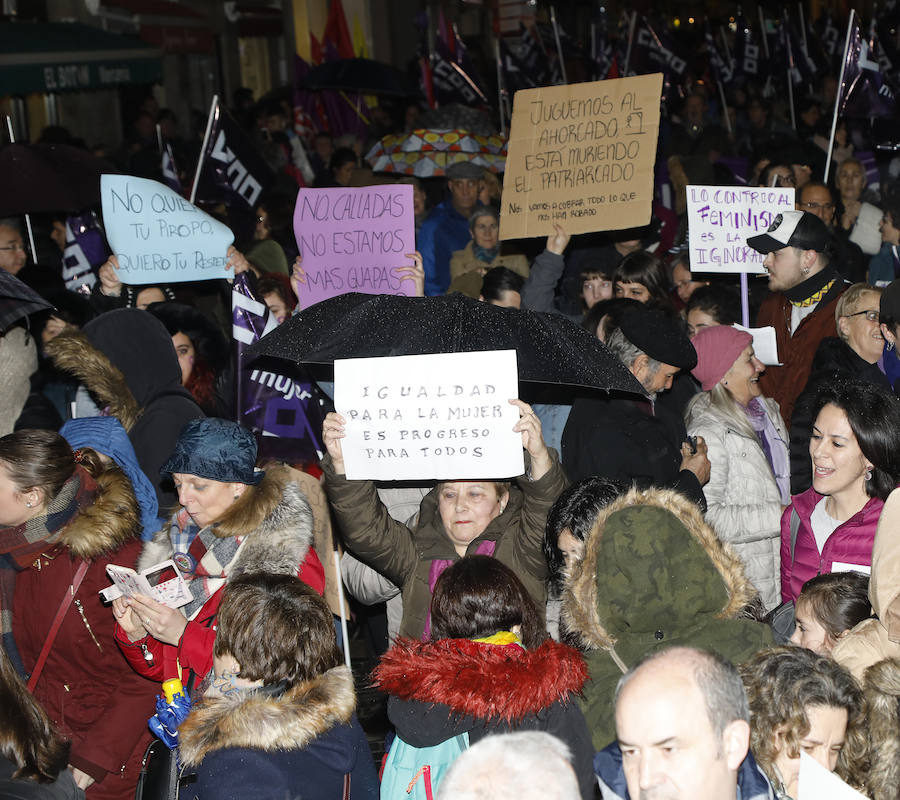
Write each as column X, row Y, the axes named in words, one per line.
column 483, row 680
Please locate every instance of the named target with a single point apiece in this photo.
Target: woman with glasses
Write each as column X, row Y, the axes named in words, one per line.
column 469, row 265
column 855, row 353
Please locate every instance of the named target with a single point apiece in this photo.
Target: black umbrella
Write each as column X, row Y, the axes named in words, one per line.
column 49, row 177
column 549, row 347
column 17, row 300
column 360, row 75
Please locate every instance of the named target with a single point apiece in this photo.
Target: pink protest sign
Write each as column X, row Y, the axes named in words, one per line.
column 352, row 239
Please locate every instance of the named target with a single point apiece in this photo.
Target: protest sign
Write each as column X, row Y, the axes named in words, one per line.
column 581, row 156
column 158, row 236
column 720, row 218
column 445, row 416
column 352, row 238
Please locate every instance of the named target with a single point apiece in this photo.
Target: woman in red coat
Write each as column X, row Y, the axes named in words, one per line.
column 855, row 452
column 234, row 519
column 63, row 517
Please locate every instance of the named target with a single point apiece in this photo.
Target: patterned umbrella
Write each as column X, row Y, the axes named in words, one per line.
column 428, row 153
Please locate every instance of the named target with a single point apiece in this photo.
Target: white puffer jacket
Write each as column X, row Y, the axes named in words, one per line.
column 743, row 501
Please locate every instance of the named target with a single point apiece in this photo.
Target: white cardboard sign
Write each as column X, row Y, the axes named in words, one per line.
column 721, row 218
column 444, row 416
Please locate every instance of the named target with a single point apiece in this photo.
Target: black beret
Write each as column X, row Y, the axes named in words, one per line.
column 660, row 335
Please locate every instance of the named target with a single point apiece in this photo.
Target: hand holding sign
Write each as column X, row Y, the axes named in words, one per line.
column 158, row 236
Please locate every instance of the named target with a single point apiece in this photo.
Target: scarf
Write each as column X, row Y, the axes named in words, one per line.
column 812, row 290
column 483, row 254
column 772, row 445
column 22, row 544
column 204, row 558
column 501, row 639
column 485, row 548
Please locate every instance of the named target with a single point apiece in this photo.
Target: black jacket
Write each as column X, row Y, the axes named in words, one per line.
column 620, row 438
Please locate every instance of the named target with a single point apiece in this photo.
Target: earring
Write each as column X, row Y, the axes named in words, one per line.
column 724, row 383
column 28, row 505
column 869, row 474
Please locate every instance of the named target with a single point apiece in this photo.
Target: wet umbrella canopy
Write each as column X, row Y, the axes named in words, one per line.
column 17, row 300
column 549, row 348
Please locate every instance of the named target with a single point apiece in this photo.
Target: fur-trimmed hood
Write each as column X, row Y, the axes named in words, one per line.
column 274, row 516
column 651, row 582
column 108, row 523
column 479, row 679
column 261, row 721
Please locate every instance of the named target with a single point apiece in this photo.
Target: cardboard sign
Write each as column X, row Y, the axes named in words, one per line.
column 351, row 239
column 581, row 156
column 158, row 236
column 445, row 416
column 720, row 218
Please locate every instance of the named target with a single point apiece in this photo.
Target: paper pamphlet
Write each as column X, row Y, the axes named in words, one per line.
column 765, row 346
column 817, row 783
column 163, row 582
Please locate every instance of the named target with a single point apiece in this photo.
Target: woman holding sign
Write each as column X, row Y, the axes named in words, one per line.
column 504, row 520
column 63, row 517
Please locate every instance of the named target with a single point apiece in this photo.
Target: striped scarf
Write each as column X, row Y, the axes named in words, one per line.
column 22, row 544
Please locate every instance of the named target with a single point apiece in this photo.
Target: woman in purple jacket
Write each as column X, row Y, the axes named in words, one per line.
column 855, row 453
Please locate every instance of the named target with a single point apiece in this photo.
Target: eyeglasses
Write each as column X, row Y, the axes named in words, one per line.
column 871, row 316
column 14, row 247
column 816, row 206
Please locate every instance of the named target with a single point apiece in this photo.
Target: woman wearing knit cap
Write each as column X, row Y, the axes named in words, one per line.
column 749, row 483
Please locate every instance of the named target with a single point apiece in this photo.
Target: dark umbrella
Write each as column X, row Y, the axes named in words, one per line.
column 360, row 75
column 49, row 177
column 17, row 300
column 549, row 347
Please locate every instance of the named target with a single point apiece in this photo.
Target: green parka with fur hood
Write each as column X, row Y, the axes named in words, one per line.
column 654, row 576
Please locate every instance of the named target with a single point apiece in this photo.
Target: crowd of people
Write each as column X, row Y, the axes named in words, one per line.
column 685, row 591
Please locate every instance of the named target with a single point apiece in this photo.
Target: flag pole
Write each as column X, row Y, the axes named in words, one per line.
column 559, row 52
column 837, row 102
column 594, row 47
column 28, row 228
column 209, row 122
column 631, row 27
column 500, row 86
column 790, row 80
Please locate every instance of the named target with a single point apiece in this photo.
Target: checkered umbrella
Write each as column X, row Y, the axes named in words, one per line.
column 428, row 153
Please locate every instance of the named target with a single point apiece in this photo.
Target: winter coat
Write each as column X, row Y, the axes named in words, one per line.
column 277, row 531
column 879, row 637
column 463, row 261
column 850, row 543
column 268, row 746
column 94, row 698
column 443, row 233
column 783, row 384
column 881, row 686
column 406, row 556
column 620, row 438
column 654, row 575
column 743, row 503
column 834, row 359
column 126, row 360
column 438, row 690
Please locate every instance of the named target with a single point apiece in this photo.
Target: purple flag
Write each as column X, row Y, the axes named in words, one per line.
column 269, row 403
column 863, row 91
column 85, row 251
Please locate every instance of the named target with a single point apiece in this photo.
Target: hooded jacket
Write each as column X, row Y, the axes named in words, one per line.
column 405, row 557
column 126, row 360
column 277, row 531
column 850, row 543
column 438, row 690
column 262, row 744
column 879, row 637
column 655, row 576
column 91, row 694
column 743, row 503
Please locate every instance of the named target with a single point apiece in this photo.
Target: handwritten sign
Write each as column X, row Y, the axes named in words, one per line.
column 581, row 156
column 444, row 416
column 720, row 218
column 158, row 236
column 351, row 239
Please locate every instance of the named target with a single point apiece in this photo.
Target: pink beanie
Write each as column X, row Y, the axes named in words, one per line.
column 717, row 349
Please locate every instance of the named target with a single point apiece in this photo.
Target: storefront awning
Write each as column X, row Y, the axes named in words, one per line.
column 171, row 27
column 69, row 56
